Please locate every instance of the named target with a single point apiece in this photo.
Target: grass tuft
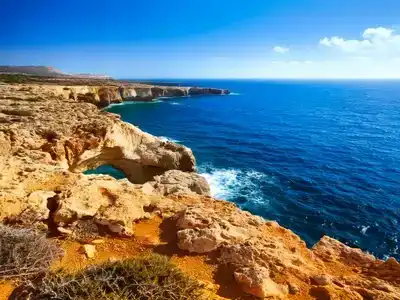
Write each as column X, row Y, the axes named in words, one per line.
column 150, row 277
column 24, row 253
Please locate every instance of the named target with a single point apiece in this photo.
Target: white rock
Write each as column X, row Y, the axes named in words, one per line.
column 89, row 250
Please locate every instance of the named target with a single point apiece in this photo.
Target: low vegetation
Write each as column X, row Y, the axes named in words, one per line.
column 25, row 253
column 14, row 78
column 151, row 277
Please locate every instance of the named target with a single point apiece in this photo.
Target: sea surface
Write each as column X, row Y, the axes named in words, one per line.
column 319, row 157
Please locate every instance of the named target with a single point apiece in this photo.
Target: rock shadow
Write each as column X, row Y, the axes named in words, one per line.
column 228, row 287
column 169, row 240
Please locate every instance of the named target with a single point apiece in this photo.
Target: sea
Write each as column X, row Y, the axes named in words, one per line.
column 319, row 157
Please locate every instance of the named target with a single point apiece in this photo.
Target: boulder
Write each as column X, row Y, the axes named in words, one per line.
column 201, row 231
column 37, row 201
column 330, row 249
column 178, row 182
column 194, row 218
column 115, row 204
column 200, row 240
column 321, row 279
column 255, row 280
column 89, row 250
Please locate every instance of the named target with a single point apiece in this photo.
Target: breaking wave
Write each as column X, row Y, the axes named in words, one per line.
column 234, row 184
column 168, row 139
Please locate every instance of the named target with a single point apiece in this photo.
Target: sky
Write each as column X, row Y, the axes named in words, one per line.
column 296, row 39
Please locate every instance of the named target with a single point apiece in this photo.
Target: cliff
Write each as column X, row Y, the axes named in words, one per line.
column 50, row 134
column 103, row 93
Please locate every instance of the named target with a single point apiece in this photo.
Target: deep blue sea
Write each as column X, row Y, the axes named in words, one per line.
column 318, row 157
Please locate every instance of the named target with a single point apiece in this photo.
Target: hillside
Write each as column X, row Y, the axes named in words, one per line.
column 47, row 72
column 32, row 70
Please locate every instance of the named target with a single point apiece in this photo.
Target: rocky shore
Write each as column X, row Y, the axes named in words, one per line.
column 51, row 133
column 105, row 92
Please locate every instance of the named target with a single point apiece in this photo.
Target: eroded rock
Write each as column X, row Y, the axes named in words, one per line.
column 178, row 182
column 331, row 249
column 116, row 204
column 256, row 281
column 199, row 240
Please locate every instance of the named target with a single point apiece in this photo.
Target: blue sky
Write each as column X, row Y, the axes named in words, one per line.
column 205, row 39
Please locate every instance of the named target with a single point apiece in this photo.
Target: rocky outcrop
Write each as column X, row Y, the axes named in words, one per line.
column 115, row 204
column 139, row 155
column 104, row 95
column 269, row 261
column 256, row 281
column 177, row 182
column 206, row 91
column 78, row 136
column 151, row 93
column 45, row 150
column 332, row 250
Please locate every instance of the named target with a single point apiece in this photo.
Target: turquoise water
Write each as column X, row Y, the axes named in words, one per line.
column 318, row 157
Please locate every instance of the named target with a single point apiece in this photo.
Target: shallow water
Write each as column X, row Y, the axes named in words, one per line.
column 318, row 157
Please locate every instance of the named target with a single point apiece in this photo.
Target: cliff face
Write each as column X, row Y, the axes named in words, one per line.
column 104, row 95
column 49, row 134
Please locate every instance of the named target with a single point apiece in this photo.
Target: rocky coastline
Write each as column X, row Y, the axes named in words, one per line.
column 105, row 92
column 50, row 133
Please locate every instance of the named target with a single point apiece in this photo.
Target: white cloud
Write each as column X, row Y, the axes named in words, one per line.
column 375, row 41
column 378, row 32
column 343, row 68
column 281, row 50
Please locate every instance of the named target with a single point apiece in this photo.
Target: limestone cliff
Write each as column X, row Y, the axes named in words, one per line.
column 105, row 93
column 49, row 134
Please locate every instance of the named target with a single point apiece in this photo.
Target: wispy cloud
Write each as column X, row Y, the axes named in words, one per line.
column 281, row 50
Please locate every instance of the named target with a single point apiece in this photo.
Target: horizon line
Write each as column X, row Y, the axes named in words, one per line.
column 256, row 78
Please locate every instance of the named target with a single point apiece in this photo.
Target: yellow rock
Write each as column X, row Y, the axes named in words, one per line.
column 89, row 250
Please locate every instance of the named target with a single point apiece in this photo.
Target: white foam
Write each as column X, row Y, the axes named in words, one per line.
column 116, row 104
column 221, row 182
column 232, row 183
column 234, row 94
column 364, row 229
column 175, row 103
column 133, row 102
column 168, row 139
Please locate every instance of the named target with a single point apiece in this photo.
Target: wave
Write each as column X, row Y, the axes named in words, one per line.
column 234, row 94
column 364, row 229
column 175, row 103
column 132, row 103
column 235, row 184
column 115, row 104
column 168, row 139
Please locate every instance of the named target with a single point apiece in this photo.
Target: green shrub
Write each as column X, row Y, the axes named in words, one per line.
column 151, row 277
column 14, row 78
column 25, row 253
